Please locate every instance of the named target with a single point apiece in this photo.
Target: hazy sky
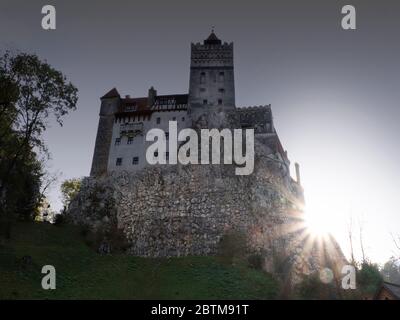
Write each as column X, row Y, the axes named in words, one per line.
column 335, row 94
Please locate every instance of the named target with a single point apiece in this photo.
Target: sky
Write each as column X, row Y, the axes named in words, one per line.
column 334, row 93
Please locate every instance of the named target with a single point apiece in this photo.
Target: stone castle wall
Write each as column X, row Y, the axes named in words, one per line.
column 186, row 210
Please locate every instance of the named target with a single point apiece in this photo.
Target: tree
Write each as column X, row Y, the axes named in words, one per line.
column 69, row 189
column 369, row 278
column 31, row 94
column 391, row 271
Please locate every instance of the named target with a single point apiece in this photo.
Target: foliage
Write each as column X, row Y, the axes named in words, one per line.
column 368, row 278
column 84, row 274
column 111, row 235
column 232, row 246
column 59, row 219
column 256, row 261
column 391, row 271
column 69, row 189
column 31, row 93
column 312, row 288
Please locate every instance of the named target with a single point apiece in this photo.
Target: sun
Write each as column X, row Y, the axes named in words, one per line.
column 318, row 220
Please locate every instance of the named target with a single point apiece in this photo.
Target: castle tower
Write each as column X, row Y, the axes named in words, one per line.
column 212, row 85
column 109, row 105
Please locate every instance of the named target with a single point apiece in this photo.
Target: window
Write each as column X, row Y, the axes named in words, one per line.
column 202, row 77
column 158, row 120
column 119, row 162
column 221, row 76
column 205, row 101
column 219, row 101
column 117, row 141
column 167, row 155
column 130, row 140
column 202, row 89
column 156, row 154
column 131, row 107
column 183, row 118
column 167, row 135
column 221, row 90
column 135, row 160
column 174, row 119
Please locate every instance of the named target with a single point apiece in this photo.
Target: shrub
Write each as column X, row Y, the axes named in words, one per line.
column 312, row 288
column 231, row 246
column 256, row 261
column 109, row 236
column 59, row 219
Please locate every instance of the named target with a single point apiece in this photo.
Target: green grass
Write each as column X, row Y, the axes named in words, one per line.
column 84, row 274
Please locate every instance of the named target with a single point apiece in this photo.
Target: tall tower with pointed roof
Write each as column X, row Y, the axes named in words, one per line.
column 212, row 83
column 109, row 105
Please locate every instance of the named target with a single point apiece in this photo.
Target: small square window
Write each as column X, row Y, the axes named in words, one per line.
column 183, row 118
column 119, row 162
column 135, row 160
column 158, row 120
column 219, row 101
column 117, row 141
column 130, row 140
column 174, row 119
column 205, row 101
column 221, row 90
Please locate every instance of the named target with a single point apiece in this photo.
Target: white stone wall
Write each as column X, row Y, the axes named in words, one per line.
column 139, row 145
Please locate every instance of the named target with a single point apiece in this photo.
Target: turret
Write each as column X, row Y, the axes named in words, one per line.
column 109, row 105
column 152, row 96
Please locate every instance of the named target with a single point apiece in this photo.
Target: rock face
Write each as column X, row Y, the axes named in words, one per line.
column 186, row 210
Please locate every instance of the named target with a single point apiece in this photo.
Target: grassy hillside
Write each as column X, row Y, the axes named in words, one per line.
column 84, row 274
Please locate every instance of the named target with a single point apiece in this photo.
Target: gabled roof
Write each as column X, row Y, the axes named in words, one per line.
column 113, row 93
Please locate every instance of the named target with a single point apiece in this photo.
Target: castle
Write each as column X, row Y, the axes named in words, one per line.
column 123, row 124
column 188, row 209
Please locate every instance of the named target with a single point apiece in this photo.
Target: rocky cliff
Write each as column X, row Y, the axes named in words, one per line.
column 186, row 210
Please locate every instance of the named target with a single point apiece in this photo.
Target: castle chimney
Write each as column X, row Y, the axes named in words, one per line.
column 297, row 173
column 152, row 96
